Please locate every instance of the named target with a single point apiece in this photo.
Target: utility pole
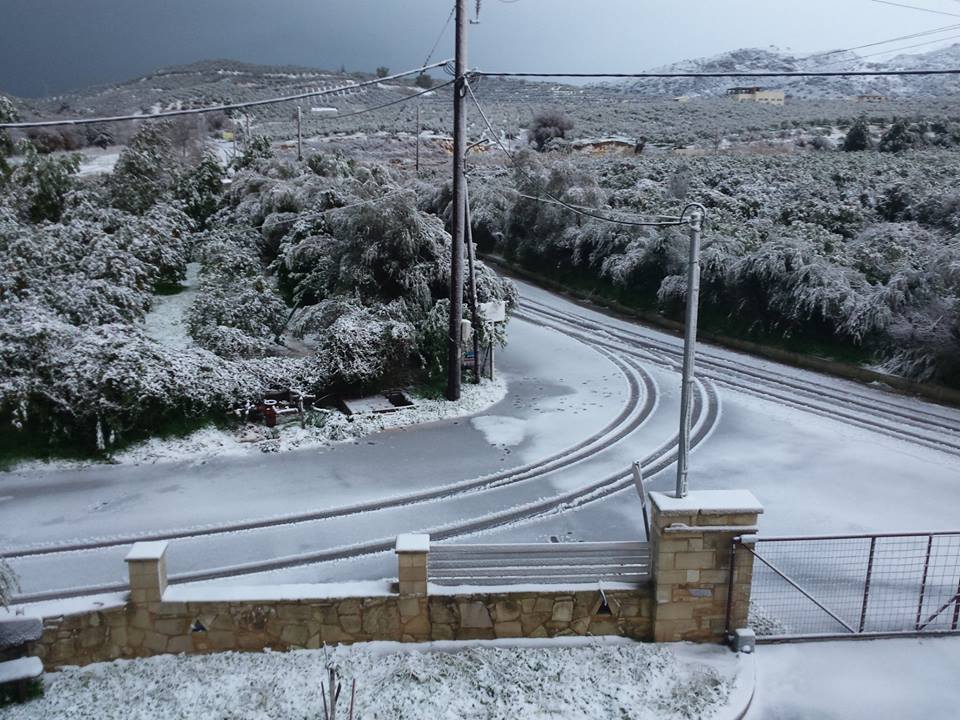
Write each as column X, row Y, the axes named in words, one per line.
column 417, row 138
column 299, row 134
column 454, row 351
column 472, row 287
column 689, row 349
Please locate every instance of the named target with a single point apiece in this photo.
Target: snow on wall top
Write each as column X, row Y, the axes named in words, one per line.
column 153, row 550
column 708, row 502
column 28, row 667
column 264, row 593
column 413, row 542
column 19, row 630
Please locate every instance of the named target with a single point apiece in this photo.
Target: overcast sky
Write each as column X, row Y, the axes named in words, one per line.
column 48, row 46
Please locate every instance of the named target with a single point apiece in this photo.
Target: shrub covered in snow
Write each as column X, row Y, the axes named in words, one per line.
column 852, row 248
column 146, row 170
column 339, row 246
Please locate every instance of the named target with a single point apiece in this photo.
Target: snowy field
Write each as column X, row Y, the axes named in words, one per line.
column 516, row 680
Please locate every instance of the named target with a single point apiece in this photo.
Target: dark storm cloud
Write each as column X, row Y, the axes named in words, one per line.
column 47, row 46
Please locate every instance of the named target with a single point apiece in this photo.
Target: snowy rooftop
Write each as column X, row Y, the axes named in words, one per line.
column 707, row 501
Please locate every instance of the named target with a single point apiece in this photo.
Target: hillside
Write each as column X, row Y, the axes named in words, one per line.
column 765, row 60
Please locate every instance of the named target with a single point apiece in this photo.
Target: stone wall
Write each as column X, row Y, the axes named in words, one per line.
column 693, row 538
column 140, row 630
column 691, row 598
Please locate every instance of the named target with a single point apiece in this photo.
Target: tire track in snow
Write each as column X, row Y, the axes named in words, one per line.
column 927, row 428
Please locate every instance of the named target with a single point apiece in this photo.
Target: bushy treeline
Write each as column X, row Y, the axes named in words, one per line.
column 858, row 249
column 336, row 250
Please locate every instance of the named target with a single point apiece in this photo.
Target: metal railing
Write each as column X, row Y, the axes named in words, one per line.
column 855, row 585
column 539, row 563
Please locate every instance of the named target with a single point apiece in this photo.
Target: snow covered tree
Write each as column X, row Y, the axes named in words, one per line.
column 256, row 148
column 200, row 187
column 8, row 113
column 41, row 183
column 858, row 136
column 145, row 171
column 547, row 125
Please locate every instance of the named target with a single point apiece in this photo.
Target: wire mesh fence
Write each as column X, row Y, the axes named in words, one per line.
column 855, row 585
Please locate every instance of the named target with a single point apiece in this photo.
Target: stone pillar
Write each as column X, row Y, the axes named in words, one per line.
column 147, row 567
column 692, row 539
column 412, row 551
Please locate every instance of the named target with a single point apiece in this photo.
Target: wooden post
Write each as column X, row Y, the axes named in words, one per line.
column 299, row 134
column 454, row 349
column 474, row 319
column 417, row 140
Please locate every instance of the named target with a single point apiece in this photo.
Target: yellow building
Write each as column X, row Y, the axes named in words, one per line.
column 757, row 94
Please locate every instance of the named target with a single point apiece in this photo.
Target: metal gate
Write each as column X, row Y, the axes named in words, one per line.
column 547, row 563
column 854, row 585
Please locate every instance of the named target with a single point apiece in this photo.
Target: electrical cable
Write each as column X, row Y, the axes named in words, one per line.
column 443, row 30
column 903, row 47
column 553, row 199
column 916, row 7
column 388, row 104
column 218, row 108
column 758, row 74
column 924, row 33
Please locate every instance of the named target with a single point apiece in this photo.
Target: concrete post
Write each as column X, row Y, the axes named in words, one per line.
column 692, row 539
column 412, row 551
column 147, row 567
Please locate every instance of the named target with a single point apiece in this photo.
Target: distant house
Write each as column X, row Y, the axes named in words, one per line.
column 757, row 94
column 870, row 98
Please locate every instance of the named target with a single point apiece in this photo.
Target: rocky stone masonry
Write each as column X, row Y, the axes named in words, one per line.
column 692, row 542
column 692, row 539
column 139, row 630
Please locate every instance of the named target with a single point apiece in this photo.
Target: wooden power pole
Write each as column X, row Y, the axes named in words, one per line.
column 418, row 138
column 454, row 349
column 299, row 135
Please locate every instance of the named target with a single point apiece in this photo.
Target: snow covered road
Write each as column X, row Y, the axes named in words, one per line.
column 588, row 394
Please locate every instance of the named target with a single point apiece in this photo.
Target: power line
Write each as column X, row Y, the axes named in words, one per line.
column 908, row 47
column 916, row 7
column 388, row 104
column 553, row 199
column 440, row 36
column 933, row 31
column 219, row 108
column 654, row 75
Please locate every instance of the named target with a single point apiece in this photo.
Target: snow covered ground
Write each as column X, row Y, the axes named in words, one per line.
column 520, row 680
column 858, row 680
column 335, row 428
column 166, row 322
column 545, row 463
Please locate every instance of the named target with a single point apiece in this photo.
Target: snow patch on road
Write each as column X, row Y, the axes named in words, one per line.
column 501, row 429
column 517, row 680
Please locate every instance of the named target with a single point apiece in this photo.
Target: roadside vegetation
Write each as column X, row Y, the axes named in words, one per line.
column 849, row 254
column 336, row 252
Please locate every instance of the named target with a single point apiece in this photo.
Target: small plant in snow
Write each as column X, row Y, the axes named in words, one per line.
column 9, row 585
